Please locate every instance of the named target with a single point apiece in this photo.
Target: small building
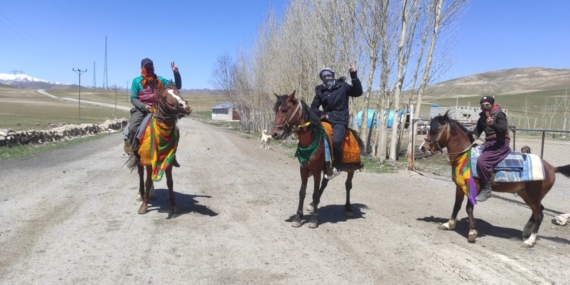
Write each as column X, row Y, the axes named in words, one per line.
column 463, row 114
column 225, row 112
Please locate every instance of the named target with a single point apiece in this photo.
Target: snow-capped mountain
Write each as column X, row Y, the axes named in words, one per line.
column 25, row 81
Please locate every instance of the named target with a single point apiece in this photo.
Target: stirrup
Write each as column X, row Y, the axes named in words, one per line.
column 336, row 172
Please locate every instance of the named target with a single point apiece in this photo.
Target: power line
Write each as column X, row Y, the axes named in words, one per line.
column 79, row 71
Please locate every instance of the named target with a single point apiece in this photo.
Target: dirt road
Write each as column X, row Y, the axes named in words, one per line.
column 70, row 217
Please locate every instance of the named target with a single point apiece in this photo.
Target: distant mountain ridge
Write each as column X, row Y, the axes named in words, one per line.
column 507, row 81
column 28, row 82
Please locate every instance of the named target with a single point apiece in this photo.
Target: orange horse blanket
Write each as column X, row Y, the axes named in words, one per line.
column 350, row 150
column 157, row 147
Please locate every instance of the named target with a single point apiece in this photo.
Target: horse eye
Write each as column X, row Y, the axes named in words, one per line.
column 284, row 111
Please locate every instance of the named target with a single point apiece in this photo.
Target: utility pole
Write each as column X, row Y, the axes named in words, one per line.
column 114, row 112
column 128, row 94
column 79, row 71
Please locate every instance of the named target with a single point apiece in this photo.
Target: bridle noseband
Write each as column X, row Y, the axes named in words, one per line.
column 286, row 124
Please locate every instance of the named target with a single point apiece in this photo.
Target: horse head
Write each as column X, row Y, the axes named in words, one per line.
column 437, row 137
column 288, row 111
column 444, row 132
column 170, row 103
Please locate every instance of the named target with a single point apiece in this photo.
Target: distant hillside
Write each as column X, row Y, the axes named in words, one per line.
column 508, row 81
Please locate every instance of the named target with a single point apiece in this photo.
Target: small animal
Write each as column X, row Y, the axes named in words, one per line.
column 265, row 139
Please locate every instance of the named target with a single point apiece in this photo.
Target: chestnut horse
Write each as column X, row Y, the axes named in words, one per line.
column 170, row 107
column 294, row 116
column 445, row 132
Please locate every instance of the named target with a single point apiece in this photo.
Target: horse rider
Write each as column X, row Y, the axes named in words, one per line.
column 333, row 95
column 492, row 121
column 143, row 98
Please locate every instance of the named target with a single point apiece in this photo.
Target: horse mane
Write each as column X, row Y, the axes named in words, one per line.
column 454, row 126
column 163, row 108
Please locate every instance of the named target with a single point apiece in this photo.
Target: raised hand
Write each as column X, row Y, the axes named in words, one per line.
column 352, row 67
column 174, row 67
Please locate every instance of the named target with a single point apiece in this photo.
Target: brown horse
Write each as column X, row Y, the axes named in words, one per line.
column 295, row 116
column 445, row 132
column 170, row 107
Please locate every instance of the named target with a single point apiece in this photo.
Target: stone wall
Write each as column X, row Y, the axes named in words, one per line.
column 12, row 138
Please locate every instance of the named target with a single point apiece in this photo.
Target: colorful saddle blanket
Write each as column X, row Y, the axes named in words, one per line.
column 351, row 150
column 516, row 167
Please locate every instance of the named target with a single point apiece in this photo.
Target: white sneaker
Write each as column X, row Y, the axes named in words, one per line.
column 336, row 172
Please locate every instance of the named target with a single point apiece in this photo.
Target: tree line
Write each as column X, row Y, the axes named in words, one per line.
column 399, row 47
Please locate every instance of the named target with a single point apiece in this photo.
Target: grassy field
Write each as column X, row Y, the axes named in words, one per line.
column 23, row 109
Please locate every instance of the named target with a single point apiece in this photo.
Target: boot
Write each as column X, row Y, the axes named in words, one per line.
column 336, row 172
column 175, row 162
column 485, row 191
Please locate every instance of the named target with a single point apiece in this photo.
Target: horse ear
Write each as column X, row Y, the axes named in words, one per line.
column 276, row 96
column 291, row 96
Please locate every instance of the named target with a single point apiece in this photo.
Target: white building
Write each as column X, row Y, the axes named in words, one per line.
column 225, row 112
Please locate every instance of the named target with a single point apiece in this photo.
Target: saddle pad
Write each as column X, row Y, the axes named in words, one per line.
column 351, row 150
column 531, row 170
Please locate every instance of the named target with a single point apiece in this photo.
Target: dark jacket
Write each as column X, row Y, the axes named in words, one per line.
column 335, row 100
column 498, row 131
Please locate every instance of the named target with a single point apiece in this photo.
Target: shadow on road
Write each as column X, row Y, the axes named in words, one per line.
column 334, row 214
column 185, row 202
column 486, row 229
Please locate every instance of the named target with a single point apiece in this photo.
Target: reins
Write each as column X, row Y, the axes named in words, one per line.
column 448, row 127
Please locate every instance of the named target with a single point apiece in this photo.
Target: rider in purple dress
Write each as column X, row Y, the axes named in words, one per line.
column 492, row 121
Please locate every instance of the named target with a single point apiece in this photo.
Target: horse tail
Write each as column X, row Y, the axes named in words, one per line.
column 564, row 170
column 360, row 142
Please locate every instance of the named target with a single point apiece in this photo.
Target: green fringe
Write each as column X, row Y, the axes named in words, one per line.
column 305, row 153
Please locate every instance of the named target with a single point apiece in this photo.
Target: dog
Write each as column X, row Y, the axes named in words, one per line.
column 265, row 139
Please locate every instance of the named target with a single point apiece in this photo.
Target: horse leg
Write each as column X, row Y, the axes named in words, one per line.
column 472, row 227
column 459, row 196
column 536, row 218
column 148, row 183
column 528, row 227
column 317, row 193
column 140, row 169
column 169, row 183
column 302, row 193
column 348, row 186
column 324, row 183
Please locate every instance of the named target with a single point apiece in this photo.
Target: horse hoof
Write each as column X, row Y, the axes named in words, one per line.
column 472, row 236
column 528, row 244
column 313, row 225
column 139, row 198
column 442, row 227
column 296, row 224
column 142, row 210
column 349, row 214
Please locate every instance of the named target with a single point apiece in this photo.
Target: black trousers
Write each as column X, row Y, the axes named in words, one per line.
column 134, row 123
column 338, row 135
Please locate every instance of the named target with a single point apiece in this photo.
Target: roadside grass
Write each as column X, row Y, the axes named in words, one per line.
column 28, row 150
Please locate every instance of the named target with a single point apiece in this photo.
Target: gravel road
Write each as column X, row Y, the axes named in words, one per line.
column 69, row 216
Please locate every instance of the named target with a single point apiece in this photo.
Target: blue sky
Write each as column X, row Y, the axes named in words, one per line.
column 46, row 39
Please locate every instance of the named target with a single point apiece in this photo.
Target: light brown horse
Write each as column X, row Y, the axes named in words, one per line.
column 292, row 116
column 170, row 107
column 447, row 133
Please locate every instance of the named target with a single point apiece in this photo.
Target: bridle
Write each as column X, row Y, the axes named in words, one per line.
column 298, row 110
column 446, row 129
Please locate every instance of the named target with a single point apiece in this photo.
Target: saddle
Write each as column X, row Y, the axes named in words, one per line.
column 516, row 167
column 351, row 151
